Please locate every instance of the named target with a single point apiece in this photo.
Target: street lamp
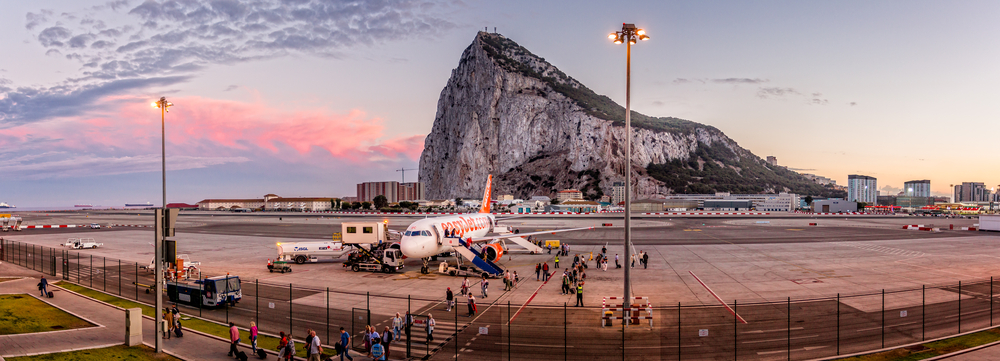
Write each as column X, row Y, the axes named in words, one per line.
column 164, row 106
column 628, row 35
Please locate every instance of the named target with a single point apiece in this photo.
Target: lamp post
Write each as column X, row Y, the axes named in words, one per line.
column 628, row 35
column 164, row 106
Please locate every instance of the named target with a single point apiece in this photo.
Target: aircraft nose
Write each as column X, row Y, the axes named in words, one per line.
column 410, row 247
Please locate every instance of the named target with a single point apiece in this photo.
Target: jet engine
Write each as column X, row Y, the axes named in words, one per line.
column 492, row 252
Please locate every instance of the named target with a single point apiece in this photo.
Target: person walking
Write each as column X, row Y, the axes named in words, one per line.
column 516, row 278
column 309, row 338
column 538, row 270
column 367, row 338
column 645, row 260
column 565, row 283
column 632, row 258
column 386, row 340
column 408, row 324
column 234, row 339
column 397, row 324
column 549, row 247
column 484, row 285
column 176, row 315
column 557, row 261
column 430, row 328
column 604, row 249
column 449, row 298
column 618, row 263
column 465, row 285
column 43, row 286
column 315, row 349
column 374, row 339
column 289, row 347
column 253, row 336
column 545, row 272
column 344, row 345
column 604, row 265
column 472, row 305
column 282, row 342
column 579, row 295
column 168, row 323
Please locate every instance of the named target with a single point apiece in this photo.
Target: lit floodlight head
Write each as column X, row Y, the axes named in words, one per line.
column 618, row 40
column 640, row 32
column 643, row 37
column 631, row 41
column 156, row 105
column 613, row 36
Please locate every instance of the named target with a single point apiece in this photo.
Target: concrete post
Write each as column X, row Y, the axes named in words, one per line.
column 133, row 327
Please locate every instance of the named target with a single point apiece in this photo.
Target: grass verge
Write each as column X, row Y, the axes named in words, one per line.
column 140, row 353
column 212, row 328
column 931, row 349
column 25, row 314
column 5, row 279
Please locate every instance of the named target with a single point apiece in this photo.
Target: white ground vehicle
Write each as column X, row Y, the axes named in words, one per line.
column 81, row 243
column 95, row 226
column 301, row 252
column 364, row 232
column 989, row 222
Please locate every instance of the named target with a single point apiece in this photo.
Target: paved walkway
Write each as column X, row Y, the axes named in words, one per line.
column 110, row 330
column 990, row 353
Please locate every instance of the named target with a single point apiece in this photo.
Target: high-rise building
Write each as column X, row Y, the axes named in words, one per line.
column 367, row 191
column 567, row 194
column 917, row 188
column 412, row 191
column 617, row 192
column 772, row 160
column 971, row 192
column 862, row 188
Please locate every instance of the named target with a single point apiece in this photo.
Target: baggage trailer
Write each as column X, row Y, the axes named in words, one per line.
column 8, row 222
column 208, row 292
column 382, row 258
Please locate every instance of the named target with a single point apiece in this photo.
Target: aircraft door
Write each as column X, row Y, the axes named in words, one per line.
column 437, row 235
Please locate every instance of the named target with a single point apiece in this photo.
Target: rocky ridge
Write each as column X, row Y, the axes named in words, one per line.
column 508, row 112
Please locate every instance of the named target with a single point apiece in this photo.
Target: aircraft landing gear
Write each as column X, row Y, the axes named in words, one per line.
column 423, row 268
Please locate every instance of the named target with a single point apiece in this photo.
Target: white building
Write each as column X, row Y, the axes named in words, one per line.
column 568, row 194
column 782, row 202
column 917, row 188
column 617, row 192
column 862, row 188
column 299, row 204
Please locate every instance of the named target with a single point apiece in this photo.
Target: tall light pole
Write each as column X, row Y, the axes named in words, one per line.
column 628, row 35
column 164, row 106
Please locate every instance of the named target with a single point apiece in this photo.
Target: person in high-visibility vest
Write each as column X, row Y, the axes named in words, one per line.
column 557, row 260
column 579, row 294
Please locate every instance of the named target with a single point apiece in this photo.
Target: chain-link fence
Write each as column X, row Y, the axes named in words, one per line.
column 792, row 329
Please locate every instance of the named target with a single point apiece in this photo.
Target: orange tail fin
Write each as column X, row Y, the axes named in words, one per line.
column 485, row 208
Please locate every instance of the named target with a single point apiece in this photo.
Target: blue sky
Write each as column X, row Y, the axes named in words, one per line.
column 303, row 98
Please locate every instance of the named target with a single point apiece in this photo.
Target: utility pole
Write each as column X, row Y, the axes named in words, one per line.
column 403, row 177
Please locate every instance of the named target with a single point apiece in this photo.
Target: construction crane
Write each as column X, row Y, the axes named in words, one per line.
column 403, row 170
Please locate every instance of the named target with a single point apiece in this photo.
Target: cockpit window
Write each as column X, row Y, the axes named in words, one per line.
column 425, row 233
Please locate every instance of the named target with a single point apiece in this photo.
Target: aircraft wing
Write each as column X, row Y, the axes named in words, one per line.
column 512, row 235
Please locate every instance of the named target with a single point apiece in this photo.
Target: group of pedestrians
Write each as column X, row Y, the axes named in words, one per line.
column 542, row 270
column 172, row 322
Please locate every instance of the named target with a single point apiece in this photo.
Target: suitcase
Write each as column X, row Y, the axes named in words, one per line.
column 261, row 354
column 242, row 356
column 178, row 332
column 50, row 294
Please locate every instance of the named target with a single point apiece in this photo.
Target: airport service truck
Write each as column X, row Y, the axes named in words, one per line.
column 989, row 222
column 81, row 243
column 301, row 252
column 374, row 251
column 206, row 292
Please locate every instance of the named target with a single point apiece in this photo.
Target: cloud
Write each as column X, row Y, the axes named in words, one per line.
column 157, row 44
column 203, row 132
column 658, row 103
column 231, row 88
column 740, row 81
column 853, row 103
column 71, row 165
column 733, row 81
column 816, row 101
column 888, row 190
column 776, row 92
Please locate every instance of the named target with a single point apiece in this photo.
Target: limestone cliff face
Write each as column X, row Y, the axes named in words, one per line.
column 510, row 113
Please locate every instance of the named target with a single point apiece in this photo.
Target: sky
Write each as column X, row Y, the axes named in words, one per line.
column 308, row 97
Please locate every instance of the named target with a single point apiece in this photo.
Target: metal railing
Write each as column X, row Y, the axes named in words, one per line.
column 792, row 329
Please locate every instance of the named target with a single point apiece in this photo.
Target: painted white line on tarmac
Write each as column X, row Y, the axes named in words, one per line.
column 652, row 347
column 807, row 348
column 717, row 298
column 532, row 345
column 781, row 339
column 775, row 330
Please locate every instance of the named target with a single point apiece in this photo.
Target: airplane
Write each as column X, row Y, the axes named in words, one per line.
column 426, row 238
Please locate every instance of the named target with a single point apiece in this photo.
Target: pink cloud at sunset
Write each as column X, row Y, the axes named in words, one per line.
column 200, row 126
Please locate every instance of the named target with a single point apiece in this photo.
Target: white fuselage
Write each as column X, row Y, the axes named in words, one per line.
column 425, row 238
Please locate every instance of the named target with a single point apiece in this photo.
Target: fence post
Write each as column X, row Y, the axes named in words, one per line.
column 735, row 333
column 368, row 308
column 256, row 303
column 119, row 277
column 960, row 306
column 566, row 336
column 105, row 268
column 137, row 284
column 678, row 332
column 923, row 312
column 508, row 330
column 406, row 325
column 456, row 329
column 883, row 318
column 289, row 308
column 991, row 301
column 91, row 271
column 838, row 324
column 327, row 316
column 201, row 292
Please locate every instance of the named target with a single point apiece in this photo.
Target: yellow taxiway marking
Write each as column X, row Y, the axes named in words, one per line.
column 790, row 229
column 692, row 230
